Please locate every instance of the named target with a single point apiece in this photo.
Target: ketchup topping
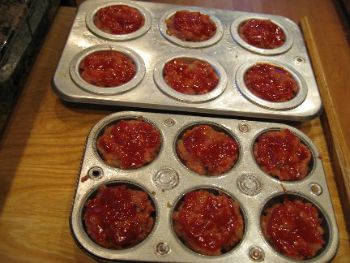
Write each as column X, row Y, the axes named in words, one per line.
column 209, row 223
column 282, row 154
column 119, row 19
column 190, row 26
column 262, row 33
column 190, row 76
column 294, row 229
column 215, row 151
column 107, row 68
column 129, row 144
column 271, row 82
column 118, row 217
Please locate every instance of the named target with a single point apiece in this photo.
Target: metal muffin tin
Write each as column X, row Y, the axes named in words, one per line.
column 166, row 180
column 154, row 45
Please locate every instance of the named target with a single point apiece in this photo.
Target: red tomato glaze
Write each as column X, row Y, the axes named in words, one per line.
column 271, row 82
column 283, row 155
column 207, row 151
column 209, row 224
column 262, row 33
column 294, row 229
column 119, row 19
column 190, row 76
column 190, row 26
column 129, row 144
column 118, row 217
column 107, row 68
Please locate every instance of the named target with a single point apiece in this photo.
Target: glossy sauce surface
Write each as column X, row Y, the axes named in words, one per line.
column 119, row 19
column 107, row 68
column 190, row 26
column 270, row 82
column 118, row 217
column 283, row 155
column 209, row 224
column 208, row 151
column 294, row 229
column 129, row 144
column 262, row 33
column 190, row 76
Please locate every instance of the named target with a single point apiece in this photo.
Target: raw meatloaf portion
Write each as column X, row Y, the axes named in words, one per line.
column 190, row 26
column 293, row 228
column 271, row 83
column 282, row 155
column 107, row 68
column 207, row 223
column 207, row 151
column 118, row 217
column 190, row 76
column 119, row 19
column 129, row 144
column 262, row 33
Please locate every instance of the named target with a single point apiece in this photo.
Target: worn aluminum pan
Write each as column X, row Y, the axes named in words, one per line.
column 166, row 180
column 154, row 44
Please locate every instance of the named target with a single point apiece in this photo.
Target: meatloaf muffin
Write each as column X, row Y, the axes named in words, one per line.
column 280, row 153
column 118, row 217
column 129, row 144
column 294, row 228
column 207, row 150
column 210, row 224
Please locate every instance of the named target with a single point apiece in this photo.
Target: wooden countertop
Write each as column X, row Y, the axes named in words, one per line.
column 42, row 146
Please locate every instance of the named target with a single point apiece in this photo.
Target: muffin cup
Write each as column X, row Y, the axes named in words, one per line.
column 75, row 75
column 191, row 44
column 165, row 88
column 91, row 12
column 278, row 106
column 275, row 51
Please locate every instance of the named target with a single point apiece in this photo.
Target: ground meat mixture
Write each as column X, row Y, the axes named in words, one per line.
column 190, row 26
column 129, row 144
column 207, row 151
column 190, row 76
column 118, row 217
column 107, row 68
column 294, row 228
column 207, row 223
column 262, row 33
column 270, row 82
column 282, row 155
column 119, row 19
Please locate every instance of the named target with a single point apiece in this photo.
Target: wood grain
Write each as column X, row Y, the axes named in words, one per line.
column 42, row 146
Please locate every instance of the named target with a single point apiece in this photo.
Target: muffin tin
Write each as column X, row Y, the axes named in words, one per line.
column 152, row 44
column 166, row 180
